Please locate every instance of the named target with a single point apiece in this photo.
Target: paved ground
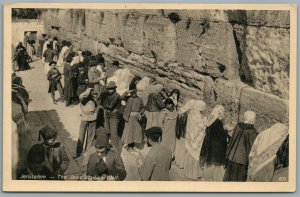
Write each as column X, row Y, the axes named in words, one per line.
column 66, row 120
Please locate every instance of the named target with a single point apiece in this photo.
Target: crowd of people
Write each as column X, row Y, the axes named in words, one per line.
column 117, row 125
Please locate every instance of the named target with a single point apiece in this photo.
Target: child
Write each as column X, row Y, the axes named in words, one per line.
column 54, row 77
column 56, row 158
column 168, row 124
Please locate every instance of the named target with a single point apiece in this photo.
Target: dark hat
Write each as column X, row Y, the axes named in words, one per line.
column 44, row 35
column 154, row 133
column 36, row 154
column 111, row 85
column 102, row 141
column 47, row 133
column 93, row 61
column 101, row 131
column 52, row 62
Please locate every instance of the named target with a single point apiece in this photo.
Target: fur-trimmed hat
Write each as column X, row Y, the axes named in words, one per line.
column 47, row 133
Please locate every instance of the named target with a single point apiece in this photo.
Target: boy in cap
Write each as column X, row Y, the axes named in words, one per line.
column 105, row 162
column 54, row 77
column 158, row 160
column 35, row 168
column 56, row 158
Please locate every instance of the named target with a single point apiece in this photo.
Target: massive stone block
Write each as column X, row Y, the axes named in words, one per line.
column 200, row 15
column 217, row 54
column 133, row 33
column 226, row 93
column 271, row 18
column 159, row 39
column 267, row 58
column 188, row 35
column 264, row 104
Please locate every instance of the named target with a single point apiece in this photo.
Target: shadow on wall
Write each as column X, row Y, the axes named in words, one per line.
column 238, row 20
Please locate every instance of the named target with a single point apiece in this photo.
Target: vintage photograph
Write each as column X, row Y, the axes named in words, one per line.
column 168, row 94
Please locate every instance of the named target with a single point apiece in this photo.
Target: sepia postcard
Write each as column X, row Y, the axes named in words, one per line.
column 149, row 97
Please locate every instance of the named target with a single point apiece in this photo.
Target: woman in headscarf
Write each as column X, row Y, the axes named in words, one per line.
column 22, row 57
column 213, row 151
column 180, row 129
column 262, row 157
column 195, row 132
column 89, row 112
column 237, row 156
column 168, row 118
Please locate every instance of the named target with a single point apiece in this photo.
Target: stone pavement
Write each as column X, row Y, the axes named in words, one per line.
column 65, row 120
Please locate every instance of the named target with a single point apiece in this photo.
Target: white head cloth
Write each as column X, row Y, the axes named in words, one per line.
column 218, row 112
column 249, row 117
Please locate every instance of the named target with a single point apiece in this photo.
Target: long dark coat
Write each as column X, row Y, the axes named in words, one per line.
column 113, row 166
column 214, row 147
column 68, row 79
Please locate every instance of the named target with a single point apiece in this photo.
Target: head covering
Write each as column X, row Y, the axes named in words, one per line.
column 86, row 93
column 93, row 61
column 218, row 112
column 154, row 133
column 52, row 62
column 249, row 117
column 198, row 105
column 36, row 154
column 111, row 85
column 102, row 140
column 47, row 133
column 101, row 131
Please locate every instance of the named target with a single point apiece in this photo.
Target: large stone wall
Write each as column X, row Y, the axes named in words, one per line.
column 232, row 57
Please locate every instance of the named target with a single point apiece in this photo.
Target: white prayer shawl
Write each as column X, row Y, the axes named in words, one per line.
column 142, row 85
column 122, row 78
column 264, row 149
column 62, row 55
column 195, row 128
